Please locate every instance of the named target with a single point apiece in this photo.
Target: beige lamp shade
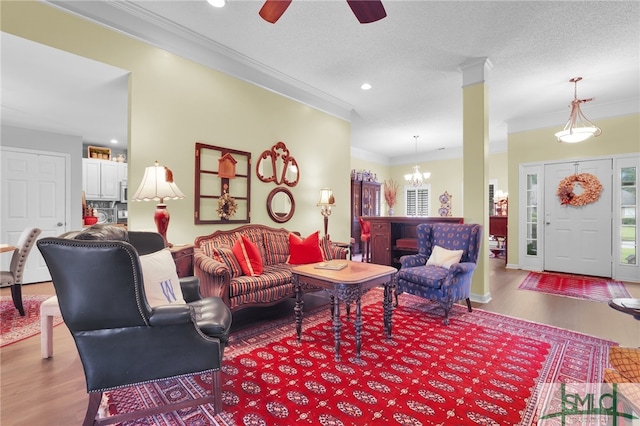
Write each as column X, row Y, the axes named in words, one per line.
column 158, row 185
column 326, row 197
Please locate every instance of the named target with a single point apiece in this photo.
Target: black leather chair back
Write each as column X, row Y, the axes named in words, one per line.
column 146, row 242
column 98, row 283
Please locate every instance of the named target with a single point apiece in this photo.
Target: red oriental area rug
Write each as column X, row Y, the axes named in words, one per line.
column 575, row 286
column 483, row 368
column 14, row 327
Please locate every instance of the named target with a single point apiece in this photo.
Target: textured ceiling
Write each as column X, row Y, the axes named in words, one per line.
column 411, row 58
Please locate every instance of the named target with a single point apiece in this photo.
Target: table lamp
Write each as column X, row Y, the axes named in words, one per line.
column 326, row 202
column 158, row 185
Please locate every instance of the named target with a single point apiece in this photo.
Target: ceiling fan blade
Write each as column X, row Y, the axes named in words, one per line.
column 367, row 11
column 272, row 10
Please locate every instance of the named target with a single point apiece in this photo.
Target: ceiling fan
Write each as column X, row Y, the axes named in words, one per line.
column 365, row 10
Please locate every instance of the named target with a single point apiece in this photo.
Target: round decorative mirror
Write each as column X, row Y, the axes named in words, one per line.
column 280, row 205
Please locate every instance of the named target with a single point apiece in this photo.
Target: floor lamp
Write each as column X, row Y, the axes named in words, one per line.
column 326, row 202
column 158, row 185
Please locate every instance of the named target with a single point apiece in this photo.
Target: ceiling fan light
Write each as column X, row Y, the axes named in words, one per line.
column 217, row 3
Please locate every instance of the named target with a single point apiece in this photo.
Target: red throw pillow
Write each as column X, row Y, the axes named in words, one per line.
column 248, row 256
column 304, row 250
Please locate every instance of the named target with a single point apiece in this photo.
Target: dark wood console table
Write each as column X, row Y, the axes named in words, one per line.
column 387, row 230
column 183, row 256
column 498, row 232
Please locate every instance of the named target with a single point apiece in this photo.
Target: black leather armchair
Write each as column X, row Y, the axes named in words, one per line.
column 121, row 340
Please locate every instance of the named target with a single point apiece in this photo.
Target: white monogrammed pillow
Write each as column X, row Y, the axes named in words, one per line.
column 161, row 283
column 444, row 258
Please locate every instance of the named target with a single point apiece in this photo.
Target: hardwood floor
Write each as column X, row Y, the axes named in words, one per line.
column 48, row 392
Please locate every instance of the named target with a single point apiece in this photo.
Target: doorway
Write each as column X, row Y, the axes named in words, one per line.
column 34, row 195
column 577, row 239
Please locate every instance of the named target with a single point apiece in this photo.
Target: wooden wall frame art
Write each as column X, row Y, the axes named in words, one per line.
column 222, row 185
column 278, row 166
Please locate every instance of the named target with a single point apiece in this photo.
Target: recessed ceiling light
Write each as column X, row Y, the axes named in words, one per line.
column 114, row 141
column 365, row 86
column 216, row 3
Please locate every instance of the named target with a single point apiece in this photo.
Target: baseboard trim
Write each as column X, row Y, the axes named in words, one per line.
column 478, row 298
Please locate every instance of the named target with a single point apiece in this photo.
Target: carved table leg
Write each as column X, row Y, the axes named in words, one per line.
column 387, row 304
column 358, row 325
column 336, row 327
column 332, row 302
column 299, row 305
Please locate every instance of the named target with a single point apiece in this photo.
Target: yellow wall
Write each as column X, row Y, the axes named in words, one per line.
column 175, row 102
column 446, row 175
column 620, row 135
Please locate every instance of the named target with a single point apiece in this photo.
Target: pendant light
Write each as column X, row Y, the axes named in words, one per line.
column 578, row 128
column 416, row 178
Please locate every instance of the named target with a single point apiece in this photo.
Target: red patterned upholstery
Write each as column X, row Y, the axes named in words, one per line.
column 218, row 276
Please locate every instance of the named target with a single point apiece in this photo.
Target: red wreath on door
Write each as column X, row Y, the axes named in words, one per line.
column 590, row 185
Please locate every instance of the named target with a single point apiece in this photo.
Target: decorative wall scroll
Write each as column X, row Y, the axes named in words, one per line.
column 445, row 204
column 278, row 166
column 222, row 185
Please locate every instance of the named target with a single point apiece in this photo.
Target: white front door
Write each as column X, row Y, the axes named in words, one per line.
column 578, row 238
column 33, row 193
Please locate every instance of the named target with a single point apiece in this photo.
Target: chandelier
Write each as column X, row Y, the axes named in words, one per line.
column 578, row 127
column 416, row 178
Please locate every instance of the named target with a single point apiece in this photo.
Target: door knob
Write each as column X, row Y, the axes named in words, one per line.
column 59, row 224
column 548, row 223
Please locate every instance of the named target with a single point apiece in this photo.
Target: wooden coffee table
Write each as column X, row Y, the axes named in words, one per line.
column 346, row 285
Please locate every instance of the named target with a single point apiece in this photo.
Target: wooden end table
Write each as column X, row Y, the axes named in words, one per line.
column 347, row 285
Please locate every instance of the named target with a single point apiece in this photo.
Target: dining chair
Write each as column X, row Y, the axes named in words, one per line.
column 13, row 277
column 365, row 238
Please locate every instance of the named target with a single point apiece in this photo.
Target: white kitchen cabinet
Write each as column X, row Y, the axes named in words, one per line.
column 122, row 172
column 100, row 179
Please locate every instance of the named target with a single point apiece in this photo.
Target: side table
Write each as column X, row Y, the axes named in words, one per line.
column 183, row 256
column 628, row 306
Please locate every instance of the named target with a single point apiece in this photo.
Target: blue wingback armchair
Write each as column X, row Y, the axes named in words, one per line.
column 445, row 286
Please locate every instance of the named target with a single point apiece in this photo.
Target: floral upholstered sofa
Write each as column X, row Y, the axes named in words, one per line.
column 265, row 277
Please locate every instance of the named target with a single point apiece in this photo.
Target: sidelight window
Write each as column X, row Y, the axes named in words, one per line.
column 628, row 216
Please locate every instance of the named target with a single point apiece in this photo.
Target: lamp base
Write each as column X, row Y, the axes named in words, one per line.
column 161, row 218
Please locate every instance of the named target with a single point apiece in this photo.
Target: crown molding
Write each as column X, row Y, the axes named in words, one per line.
column 134, row 21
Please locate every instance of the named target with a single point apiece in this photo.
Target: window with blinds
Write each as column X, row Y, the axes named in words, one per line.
column 417, row 201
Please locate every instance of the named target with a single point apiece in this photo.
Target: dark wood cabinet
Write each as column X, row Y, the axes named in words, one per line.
column 183, row 257
column 380, row 247
column 365, row 201
column 394, row 236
